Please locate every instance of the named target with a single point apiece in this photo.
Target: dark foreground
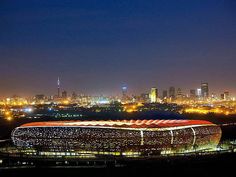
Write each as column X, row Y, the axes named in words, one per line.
column 219, row 165
column 201, row 171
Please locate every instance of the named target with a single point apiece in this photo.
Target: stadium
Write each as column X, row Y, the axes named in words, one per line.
column 117, row 137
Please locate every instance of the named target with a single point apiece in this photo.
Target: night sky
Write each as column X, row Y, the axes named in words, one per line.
column 96, row 46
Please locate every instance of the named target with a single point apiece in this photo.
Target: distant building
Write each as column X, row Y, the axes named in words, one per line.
column 64, row 94
column 153, row 95
column 124, row 93
column 199, row 92
column 213, row 96
column 58, row 87
column 192, row 93
column 172, row 92
column 39, row 98
column 74, row 96
column 225, row 96
column 222, row 96
column 144, row 97
column 164, row 94
column 179, row 93
column 205, row 90
column 226, row 93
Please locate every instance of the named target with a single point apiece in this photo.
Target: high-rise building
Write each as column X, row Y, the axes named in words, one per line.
column 144, row 97
column 172, row 92
column 124, row 92
column 164, row 94
column 64, row 94
column 74, row 96
column 192, row 93
column 222, row 96
column 226, row 96
column 58, row 87
column 205, row 90
column 179, row 93
column 153, row 95
column 199, row 92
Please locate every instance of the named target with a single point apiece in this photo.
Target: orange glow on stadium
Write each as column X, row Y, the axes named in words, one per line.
column 122, row 123
column 121, row 136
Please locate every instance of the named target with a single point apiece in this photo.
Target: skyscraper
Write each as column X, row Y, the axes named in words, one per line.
column 153, row 95
column 226, row 96
column 164, row 94
column 64, row 94
column 222, row 96
column 199, row 92
column 205, row 90
column 172, row 92
column 58, row 87
column 192, row 93
column 124, row 93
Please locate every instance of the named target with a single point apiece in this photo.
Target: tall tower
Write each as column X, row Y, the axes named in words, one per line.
column 199, row 92
column 58, row 87
column 124, row 92
column 172, row 92
column 205, row 90
column 153, row 95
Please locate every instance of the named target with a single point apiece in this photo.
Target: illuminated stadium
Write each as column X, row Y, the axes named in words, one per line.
column 118, row 137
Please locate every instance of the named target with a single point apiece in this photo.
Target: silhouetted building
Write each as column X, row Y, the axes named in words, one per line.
column 144, row 97
column 205, row 90
column 124, row 93
column 39, row 98
column 64, row 94
column 222, row 96
column 192, row 93
column 58, row 87
column 164, row 94
column 172, row 92
column 225, row 96
column 74, row 96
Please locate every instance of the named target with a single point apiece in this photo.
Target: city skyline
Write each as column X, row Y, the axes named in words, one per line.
column 118, row 87
column 98, row 46
column 123, row 92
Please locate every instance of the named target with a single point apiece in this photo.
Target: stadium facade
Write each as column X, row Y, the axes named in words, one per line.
column 121, row 136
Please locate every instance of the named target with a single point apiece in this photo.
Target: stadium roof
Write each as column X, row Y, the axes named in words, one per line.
column 121, row 123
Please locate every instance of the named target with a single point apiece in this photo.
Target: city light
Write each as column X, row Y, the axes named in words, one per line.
column 9, row 118
column 207, row 111
column 112, row 87
column 28, row 110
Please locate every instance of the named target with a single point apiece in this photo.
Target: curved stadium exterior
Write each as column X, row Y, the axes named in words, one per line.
column 141, row 136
